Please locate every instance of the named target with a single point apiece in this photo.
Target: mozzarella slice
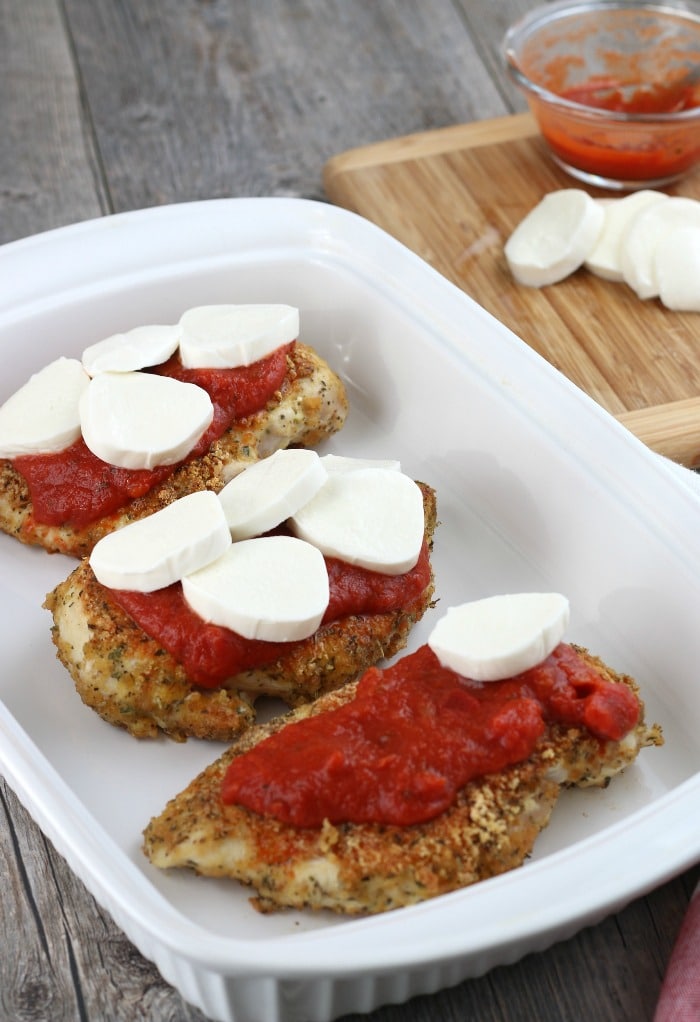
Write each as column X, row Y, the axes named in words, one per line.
column 677, row 268
column 139, row 348
column 154, row 552
column 270, row 491
column 141, row 420
column 227, row 336
column 42, row 417
column 341, row 463
column 372, row 518
column 555, row 237
column 605, row 259
column 273, row 588
column 645, row 231
column 500, row 636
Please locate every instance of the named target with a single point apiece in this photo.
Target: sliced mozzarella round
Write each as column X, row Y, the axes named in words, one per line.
column 139, row 348
column 555, row 238
column 42, row 417
column 644, row 232
column 372, row 518
column 342, row 463
column 227, row 336
column 605, row 260
column 141, row 420
column 500, row 636
column 677, row 267
column 273, row 588
column 154, row 552
column 271, row 490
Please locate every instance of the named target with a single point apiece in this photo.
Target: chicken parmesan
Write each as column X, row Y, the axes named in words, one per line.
column 406, row 784
column 65, row 490
column 148, row 663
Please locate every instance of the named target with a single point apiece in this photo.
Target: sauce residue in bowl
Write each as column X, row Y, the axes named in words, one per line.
column 620, row 151
column 622, row 97
column 640, row 72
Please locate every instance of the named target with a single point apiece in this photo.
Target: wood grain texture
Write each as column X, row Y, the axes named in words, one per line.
column 48, row 166
column 218, row 98
column 482, row 179
column 672, row 429
column 63, row 958
column 110, row 105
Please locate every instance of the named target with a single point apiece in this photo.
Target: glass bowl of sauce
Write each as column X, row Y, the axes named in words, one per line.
column 614, row 87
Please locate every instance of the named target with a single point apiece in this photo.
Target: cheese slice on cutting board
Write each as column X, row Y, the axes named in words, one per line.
column 677, row 268
column 642, row 236
column 605, row 259
column 555, row 238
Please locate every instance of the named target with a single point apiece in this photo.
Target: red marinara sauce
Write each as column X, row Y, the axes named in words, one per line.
column 75, row 487
column 621, row 149
column 414, row 735
column 210, row 654
column 655, row 98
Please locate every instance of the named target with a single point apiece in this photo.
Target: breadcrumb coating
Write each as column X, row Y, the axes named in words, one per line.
column 368, row 868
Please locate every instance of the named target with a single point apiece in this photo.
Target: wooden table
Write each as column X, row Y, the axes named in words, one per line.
column 111, row 105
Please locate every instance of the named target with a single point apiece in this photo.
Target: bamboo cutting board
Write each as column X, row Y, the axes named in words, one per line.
column 454, row 195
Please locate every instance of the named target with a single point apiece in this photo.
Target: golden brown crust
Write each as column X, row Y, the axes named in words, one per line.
column 353, row 868
column 310, row 406
column 133, row 683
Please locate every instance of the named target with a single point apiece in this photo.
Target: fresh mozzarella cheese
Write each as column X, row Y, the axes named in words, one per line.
column 500, row 636
column 648, row 239
column 555, row 237
column 154, row 552
column 677, row 269
column 141, row 420
column 372, row 518
column 42, row 417
column 139, row 348
column 227, row 336
column 645, row 231
column 270, row 491
column 273, row 588
column 605, row 259
column 342, row 463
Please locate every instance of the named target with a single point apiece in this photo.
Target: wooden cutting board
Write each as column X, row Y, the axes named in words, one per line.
column 454, row 195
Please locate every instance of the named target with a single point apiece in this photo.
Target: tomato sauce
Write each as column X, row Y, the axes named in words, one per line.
column 655, row 98
column 620, row 150
column 210, row 654
column 415, row 734
column 75, row 487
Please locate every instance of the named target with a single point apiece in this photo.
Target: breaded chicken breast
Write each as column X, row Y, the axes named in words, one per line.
column 310, row 406
column 134, row 683
column 352, row 868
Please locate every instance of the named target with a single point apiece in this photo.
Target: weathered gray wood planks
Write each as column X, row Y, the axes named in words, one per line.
column 110, row 105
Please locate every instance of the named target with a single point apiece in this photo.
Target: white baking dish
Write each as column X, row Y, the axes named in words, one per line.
column 538, row 489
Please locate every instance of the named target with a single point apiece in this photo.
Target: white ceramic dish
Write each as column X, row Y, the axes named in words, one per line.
column 538, row 489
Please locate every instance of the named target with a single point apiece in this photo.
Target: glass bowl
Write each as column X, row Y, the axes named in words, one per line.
column 614, row 87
